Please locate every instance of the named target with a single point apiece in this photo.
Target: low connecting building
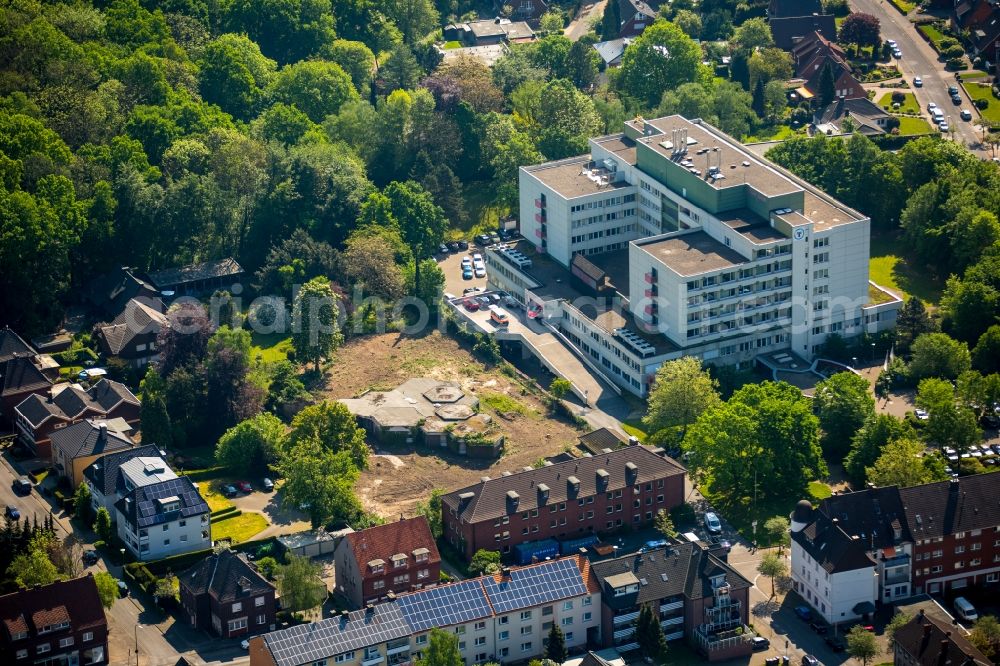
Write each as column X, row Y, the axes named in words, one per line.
column 392, row 558
column 504, row 617
column 226, row 595
column 60, row 624
column 622, row 489
column 38, row 416
column 671, row 239
column 694, row 594
column 163, row 519
column 881, row 545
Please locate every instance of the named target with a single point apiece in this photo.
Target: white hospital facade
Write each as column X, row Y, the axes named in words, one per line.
column 671, row 239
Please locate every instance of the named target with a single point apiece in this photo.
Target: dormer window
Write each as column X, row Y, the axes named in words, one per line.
column 421, row 555
column 399, row 561
column 376, row 566
column 168, row 504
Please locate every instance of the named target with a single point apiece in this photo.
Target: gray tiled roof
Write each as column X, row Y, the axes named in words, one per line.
column 12, row 344
column 141, row 507
column 20, row 375
column 930, row 642
column 227, row 576
column 831, row 547
column 136, row 318
column 869, row 514
column 73, row 401
column 174, row 277
column 103, row 473
column 490, row 497
column 86, row 438
column 946, row 507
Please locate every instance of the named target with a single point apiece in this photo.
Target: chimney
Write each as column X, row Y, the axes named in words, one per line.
column 954, row 485
column 103, row 435
column 512, row 500
column 631, row 473
column 464, row 499
column 572, row 485
column 927, row 630
column 633, row 440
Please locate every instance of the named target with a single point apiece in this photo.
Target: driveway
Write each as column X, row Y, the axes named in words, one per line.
column 580, row 25
column 282, row 520
column 920, row 59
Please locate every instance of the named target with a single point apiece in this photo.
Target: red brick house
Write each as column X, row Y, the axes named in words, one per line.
column 523, row 10
column 22, row 372
column 38, row 416
column 60, row 623
column 603, row 493
column 226, row 595
column 812, row 55
column 131, row 336
column 981, row 20
column 395, row 557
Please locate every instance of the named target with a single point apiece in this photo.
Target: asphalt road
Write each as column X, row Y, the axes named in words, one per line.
column 919, row 59
column 580, row 25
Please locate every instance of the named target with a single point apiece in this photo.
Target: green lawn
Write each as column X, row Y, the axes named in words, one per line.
column 634, row 430
column 982, row 91
column 452, row 45
column 270, row 347
column 773, row 133
column 932, row 33
column 239, row 528
column 890, row 270
column 910, row 126
column 819, row 490
column 741, row 516
column 908, row 105
column 505, row 404
column 903, row 5
column 973, row 74
column 211, row 491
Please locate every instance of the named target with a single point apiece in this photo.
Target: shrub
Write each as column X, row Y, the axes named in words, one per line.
column 947, row 42
column 955, row 51
column 898, row 96
column 956, row 63
column 981, row 104
column 892, row 123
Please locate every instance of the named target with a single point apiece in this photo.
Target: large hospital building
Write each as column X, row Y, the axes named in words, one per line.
column 672, row 239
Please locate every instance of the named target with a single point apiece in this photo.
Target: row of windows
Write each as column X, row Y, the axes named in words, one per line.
column 603, row 203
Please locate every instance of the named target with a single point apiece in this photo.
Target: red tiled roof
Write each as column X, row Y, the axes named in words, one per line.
column 383, row 541
column 16, row 625
column 46, row 617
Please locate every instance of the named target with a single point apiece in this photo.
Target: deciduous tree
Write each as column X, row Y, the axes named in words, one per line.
column 107, row 588
column 252, row 445
column 903, row 464
column 300, row 584
column 661, row 58
column 484, row 562
column 938, row 355
column 333, row 425
column 316, row 333
column 442, row 649
column 681, row 392
column 843, row 403
column 860, row 29
column 316, row 87
column 772, row 566
column 861, row 644
column 320, row 482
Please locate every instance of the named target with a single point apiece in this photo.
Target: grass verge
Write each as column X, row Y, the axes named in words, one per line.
column 239, row 528
column 933, row 34
column 903, row 5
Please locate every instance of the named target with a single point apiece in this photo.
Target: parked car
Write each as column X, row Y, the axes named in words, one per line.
column 803, row 613
column 12, row 513
column 953, row 90
column 467, row 273
column 495, row 237
column 268, row 485
column 923, row 416
column 463, row 245
column 229, row 490
column 809, row 660
column 90, row 557
column 471, row 290
column 891, row 43
column 944, row 127
column 918, row 82
column 476, row 257
column 244, row 486
column 836, row 643
column 931, row 106
column 956, row 99
column 122, row 589
column 22, row 486
column 897, row 54
column 442, row 248
column 965, row 114
column 480, row 271
column 484, row 302
column 470, row 304
column 965, row 610
column 245, row 644
column 453, row 246
column 483, row 240
column 760, row 643
column 712, row 523
column 818, row 627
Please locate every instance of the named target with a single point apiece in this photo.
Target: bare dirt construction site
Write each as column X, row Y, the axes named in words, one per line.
column 398, row 476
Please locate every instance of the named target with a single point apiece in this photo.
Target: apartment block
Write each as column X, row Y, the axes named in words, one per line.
column 565, row 500
column 671, row 239
column 163, row 519
column 504, row 618
column 696, row 595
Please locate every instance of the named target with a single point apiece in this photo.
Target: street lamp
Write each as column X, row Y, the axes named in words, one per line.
column 135, row 633
column 854, row 361
column 873, row 353
column 122, row 550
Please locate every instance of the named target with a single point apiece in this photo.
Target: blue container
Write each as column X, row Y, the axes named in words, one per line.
column 526, row 553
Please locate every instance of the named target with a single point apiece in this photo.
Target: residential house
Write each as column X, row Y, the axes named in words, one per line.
column 621, row 489
column 612, row 50
column 131, row 336
column 791, row 20
column 523, row 10
column 23, row 372
column 105, row 480
column 225, row 594
column 489, row 32
column 108, row 293
column 875, row 518
column 831, row 571
column 393, row 558
column 76, row 446
column 812, row 55
column 38, row 416
column 694, row 594
column 504, row 617
column 928, row 641
column 981, row 20
column 636, row 16
column 201, row 278
column 866, row 116
column 60, row 624
column 163, row 519
column 955, row 529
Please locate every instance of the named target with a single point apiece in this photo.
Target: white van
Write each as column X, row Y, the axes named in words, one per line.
column 965, row 610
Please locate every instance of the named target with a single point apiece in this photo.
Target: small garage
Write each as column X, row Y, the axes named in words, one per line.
column 313, row 543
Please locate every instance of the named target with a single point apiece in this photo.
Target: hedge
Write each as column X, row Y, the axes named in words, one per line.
column 141, row 574
column 205, row 474
column 222, row 514
column 179, row 563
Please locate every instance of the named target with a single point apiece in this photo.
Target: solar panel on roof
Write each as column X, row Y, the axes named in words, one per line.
column 536, row 585
column 445, row 605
